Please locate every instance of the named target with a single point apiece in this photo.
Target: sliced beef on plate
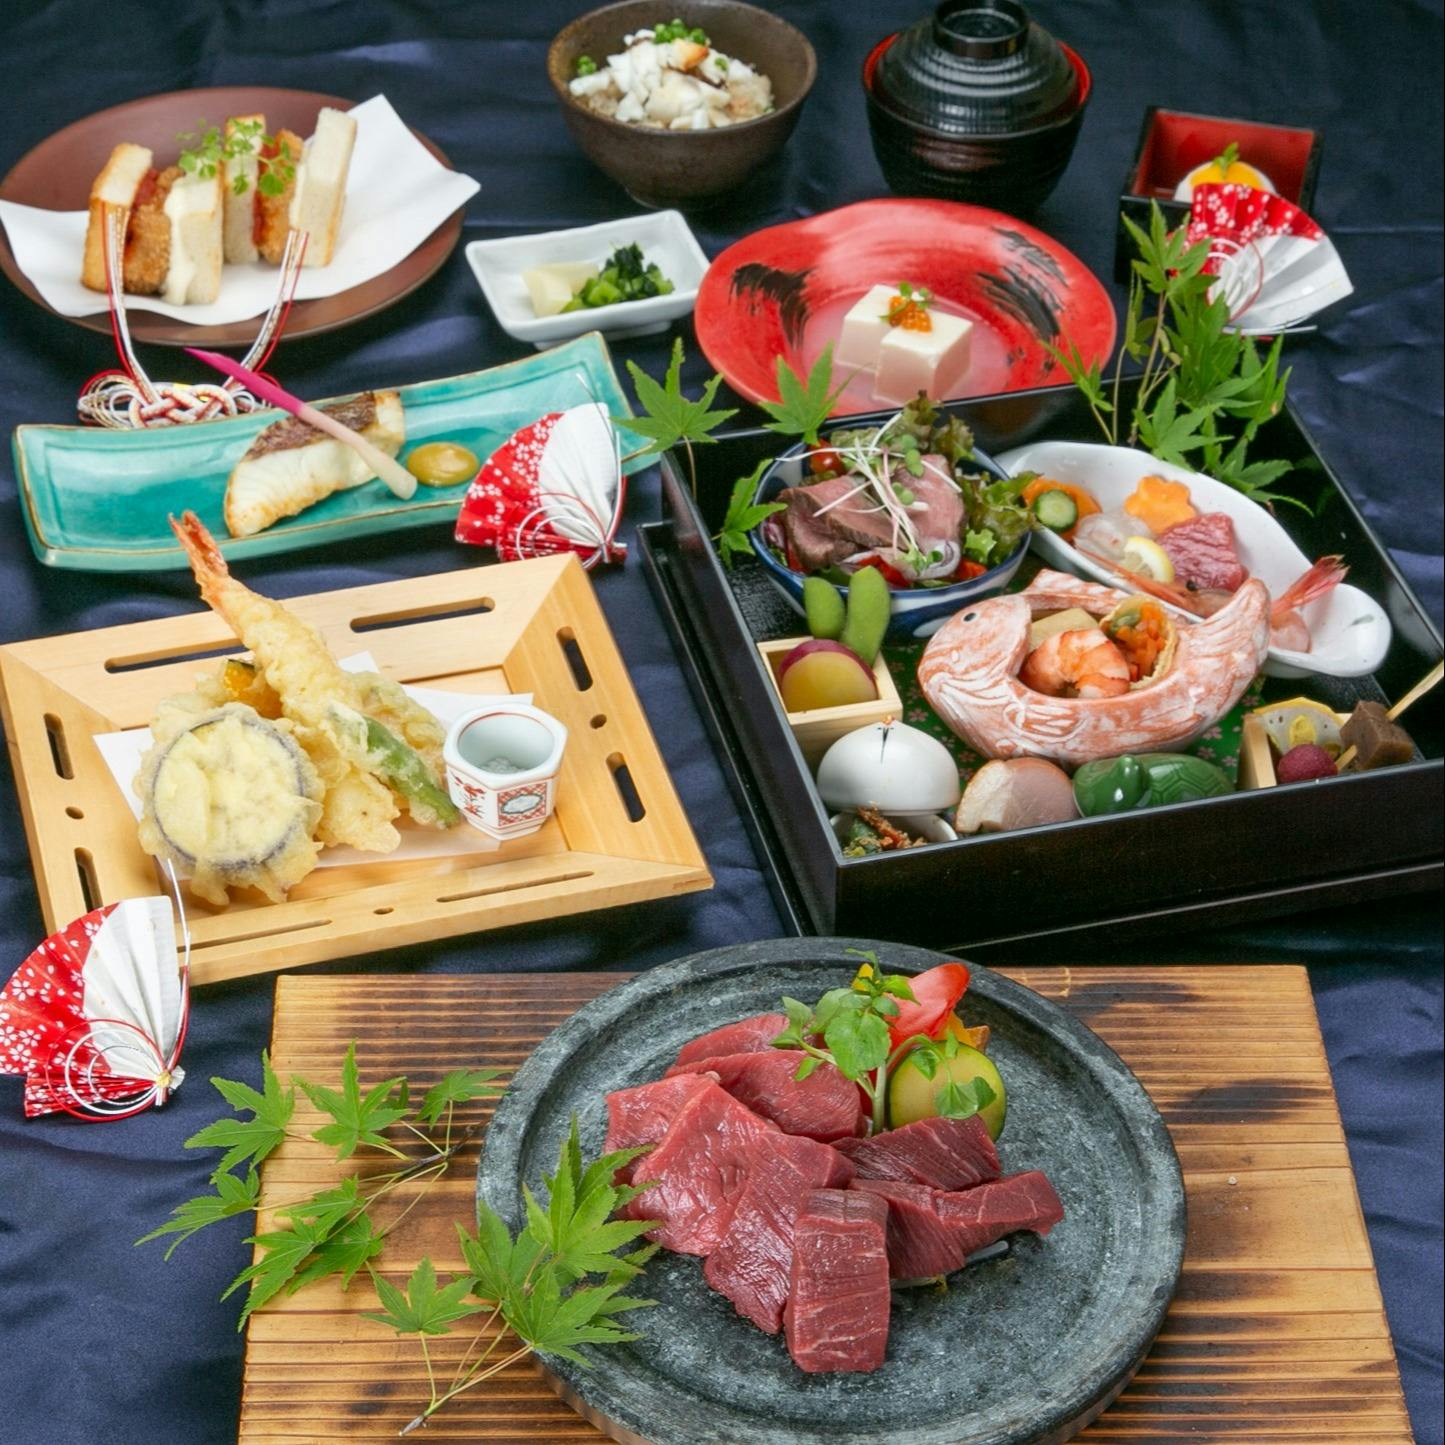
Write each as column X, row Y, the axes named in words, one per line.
column 920, row 1244
column 747, row 1036
column 700, row 1169
column 942, row 1153
column 642, row 1116
column 932, row 1232
column 824, row 1106
column 1203, row 552
column 1004, row 1206
column 937, row 509
column 754, row 1262
column 836, row 1318
column 828, row 521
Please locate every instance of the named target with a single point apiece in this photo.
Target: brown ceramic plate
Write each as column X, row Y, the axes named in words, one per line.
column 57, row 175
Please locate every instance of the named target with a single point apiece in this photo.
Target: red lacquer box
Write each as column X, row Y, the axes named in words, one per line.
column 1173, row 142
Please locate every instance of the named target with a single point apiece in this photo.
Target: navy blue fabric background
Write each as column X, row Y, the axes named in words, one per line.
column 102, row 1341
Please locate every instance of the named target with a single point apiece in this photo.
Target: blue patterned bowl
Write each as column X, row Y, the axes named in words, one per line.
column 916, row 611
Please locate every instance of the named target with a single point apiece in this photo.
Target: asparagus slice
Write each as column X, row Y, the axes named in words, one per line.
column 400, row 767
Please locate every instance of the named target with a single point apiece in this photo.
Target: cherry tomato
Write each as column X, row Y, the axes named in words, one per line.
column 968, row 569
column 824, row 461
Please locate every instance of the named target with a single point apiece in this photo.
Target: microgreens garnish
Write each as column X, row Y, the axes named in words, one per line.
column 557, row 1282
column 1227, row 157
column 209, row 148
column 1204, row 390
column 908, row 298
column 804, row 406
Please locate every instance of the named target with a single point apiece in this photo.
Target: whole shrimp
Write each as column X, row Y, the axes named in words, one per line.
column 320, row 699
column 1079, row 663
column 1288, row 630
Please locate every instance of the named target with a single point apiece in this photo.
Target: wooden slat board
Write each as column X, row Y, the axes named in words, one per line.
column 1278, row 1331
column 484, row 630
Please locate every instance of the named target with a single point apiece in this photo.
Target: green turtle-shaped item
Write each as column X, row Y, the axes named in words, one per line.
column 1145, row 780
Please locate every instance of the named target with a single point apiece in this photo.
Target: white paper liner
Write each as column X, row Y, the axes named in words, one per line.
column 397, row 194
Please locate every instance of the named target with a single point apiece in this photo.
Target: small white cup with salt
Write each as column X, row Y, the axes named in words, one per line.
column 502, row 761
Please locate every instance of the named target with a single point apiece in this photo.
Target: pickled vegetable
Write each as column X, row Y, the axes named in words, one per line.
column 819, row 673
column 442, row 464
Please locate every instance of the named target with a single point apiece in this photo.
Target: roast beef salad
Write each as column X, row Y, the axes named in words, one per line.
column 817, row 1157
column 902, row 498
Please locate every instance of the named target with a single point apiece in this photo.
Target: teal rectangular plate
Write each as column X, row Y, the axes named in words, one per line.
column 97, row 500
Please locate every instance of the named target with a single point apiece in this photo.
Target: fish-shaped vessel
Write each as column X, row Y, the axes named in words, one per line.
column 970, row 675
column 291, row 466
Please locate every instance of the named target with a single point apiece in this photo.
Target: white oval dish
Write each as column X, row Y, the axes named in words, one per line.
column 1349, row 631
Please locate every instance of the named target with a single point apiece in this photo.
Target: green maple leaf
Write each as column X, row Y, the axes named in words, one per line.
column 359, row 1119
column 803, row 406
column 234, row 1195
column 423, row 1309
column 248, row 1139
column 344, row 1251
column 457, row 1088
column 1169, row 433
column 668, row 417
column 284, row 1251
column 554, row 1322
column 743, row 514
column 576, row 1227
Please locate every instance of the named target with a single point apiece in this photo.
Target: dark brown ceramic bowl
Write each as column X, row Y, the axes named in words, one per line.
column 1013, row 171
column 685, row 168
column 57, row 175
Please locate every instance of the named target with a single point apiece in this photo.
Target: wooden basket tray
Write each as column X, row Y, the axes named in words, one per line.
column 1277, row 1333
column 619, row 834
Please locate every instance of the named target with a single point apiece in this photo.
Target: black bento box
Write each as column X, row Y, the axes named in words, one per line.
column 1248, row 855
column 1173, row 142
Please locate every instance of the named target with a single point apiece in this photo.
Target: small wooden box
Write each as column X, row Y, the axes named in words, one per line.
column 819, row 728
column 1173, row 142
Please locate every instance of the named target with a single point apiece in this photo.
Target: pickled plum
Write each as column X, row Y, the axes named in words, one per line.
column 819, row 673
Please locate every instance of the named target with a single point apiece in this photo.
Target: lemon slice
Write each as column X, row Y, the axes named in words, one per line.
column 1301, row 720
column 1146, row 557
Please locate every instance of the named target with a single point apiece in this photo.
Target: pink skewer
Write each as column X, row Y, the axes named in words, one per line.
column 387, row 468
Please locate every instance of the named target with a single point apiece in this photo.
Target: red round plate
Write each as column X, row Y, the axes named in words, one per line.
column 784, row 292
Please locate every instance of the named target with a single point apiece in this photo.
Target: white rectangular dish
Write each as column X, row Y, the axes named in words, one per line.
column 664, row 237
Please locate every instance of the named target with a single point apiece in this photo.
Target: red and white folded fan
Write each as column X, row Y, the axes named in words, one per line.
column 1276, row 266
column 554, row 486
column 95, row 1017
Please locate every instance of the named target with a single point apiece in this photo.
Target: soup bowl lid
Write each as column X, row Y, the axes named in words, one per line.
column 976, row 67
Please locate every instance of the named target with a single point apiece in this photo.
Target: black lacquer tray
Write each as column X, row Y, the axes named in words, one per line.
column 1020, row 1350
column 1247, row 856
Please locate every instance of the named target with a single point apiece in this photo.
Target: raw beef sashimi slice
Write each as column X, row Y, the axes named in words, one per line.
column 920, row 1244
column 941, row 1153
column 1203, row 552
column 824, row 1106
column 642, row 1116
column 754, row 1262
column 747, row 1036
column 836, row 1317
column 699, row 1171
column 1005, row 1206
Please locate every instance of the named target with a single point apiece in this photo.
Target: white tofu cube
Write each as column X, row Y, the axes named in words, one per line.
column 864, row 328
column 933, row 361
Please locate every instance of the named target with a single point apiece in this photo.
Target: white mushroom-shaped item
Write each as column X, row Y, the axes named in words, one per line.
column 889, row 766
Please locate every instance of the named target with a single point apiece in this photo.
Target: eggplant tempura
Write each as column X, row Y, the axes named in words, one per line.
column 372, row 751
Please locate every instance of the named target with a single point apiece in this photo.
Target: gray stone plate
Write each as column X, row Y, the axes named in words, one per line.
column 1019, row 1350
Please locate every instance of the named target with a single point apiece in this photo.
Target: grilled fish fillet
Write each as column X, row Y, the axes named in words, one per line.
column 291, row 466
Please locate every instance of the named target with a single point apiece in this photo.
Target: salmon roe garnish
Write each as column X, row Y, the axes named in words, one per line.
column 909, row 315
